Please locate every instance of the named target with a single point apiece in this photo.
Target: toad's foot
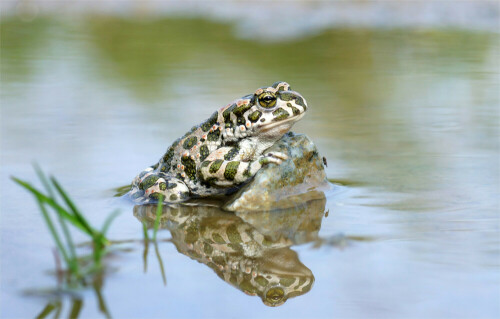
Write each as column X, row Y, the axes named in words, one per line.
column 151, row 186
column 273, row 157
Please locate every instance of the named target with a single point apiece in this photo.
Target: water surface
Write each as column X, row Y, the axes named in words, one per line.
column 408, row 121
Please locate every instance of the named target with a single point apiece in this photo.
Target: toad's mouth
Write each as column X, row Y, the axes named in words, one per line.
column 269, row 126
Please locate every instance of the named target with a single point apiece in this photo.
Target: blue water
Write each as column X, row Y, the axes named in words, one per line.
column 408, row 120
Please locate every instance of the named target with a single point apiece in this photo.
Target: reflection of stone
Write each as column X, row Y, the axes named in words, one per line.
column 299, row 179
column 246, row 254
column 301, row 223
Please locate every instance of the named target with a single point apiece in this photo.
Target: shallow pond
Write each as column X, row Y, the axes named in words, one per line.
column 408, row 121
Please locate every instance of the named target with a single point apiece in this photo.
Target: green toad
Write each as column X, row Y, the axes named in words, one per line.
column 222, row 153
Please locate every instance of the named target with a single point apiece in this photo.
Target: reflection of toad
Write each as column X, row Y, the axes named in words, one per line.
column 252, row 253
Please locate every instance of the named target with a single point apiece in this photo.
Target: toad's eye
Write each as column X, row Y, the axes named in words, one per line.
column 267, row 100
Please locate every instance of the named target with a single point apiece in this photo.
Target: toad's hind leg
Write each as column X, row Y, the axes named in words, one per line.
column 149, row 185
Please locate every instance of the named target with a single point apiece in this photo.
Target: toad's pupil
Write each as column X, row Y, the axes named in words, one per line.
column 268, row 98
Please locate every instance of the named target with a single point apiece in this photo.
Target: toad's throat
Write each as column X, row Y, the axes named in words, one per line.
column 269, row 126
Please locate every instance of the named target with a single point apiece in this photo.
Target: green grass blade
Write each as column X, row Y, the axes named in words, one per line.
column 76, row 308
column 58, row 309
column 72, row 206
column 69, row 241
column 64, row 227
column 145, row 231
column 52, row 203
column 47, row 310
column 54, row 234
column 146, row 246
column 102, row 304
column 98, row 250
column 160, row 263
column 122, row 190
column 44, row 180
column 158, row 214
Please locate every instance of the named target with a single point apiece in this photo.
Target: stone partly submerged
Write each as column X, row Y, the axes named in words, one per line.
column 300, row 178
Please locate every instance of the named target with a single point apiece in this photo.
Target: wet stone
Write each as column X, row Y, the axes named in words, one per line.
column 298, row 179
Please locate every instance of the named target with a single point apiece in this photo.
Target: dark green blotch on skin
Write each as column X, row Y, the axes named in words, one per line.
column 215, row 166
column 261, row 281
column 229, row 124
column 307, row 287
column 191, row 234
column 154, row 196
column 189, row 167
column 155, row 166
column 210, row 122
column 235, row 247
column 163, row 168
column 207, row 248
column 301, row 282
column 219, row 260
column 300, row 101
column 213, row 136
column 218, row 238
column 205, row 164
column 167, row 158
column 280, row 114
column 295, row 110
column 179, row 176
column 254, row 117
column 238, row 111
column 233, row 234
column 148, row 182
column 173, row 197
column 190, row 142
column 232, row 153
column 287, row 282
column 204, row 152
column 227, row 113
column 240, row 120
column 231, row 170
column 233, row 280
column 163, row 186
column 286, row 96
column 171, row 185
